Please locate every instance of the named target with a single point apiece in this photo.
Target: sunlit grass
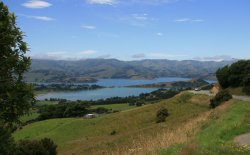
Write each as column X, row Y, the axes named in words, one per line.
column 135, row 128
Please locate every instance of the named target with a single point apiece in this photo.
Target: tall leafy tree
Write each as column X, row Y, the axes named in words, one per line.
column 246, row 84
column 222, row 75
column 16, row 97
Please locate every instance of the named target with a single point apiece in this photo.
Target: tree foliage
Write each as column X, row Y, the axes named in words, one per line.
column 36, row 147
column 222, row 75
column 16, row 97
column 221, row 97
column 161, row 115
column 7, row 143
column 246, row 84
column 236, row 75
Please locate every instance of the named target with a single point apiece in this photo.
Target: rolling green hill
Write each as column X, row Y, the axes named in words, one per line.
column 91, row 69
column 190, row 127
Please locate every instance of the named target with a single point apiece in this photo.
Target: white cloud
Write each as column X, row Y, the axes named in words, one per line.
column 197, row 20
column 149, row 2
column 139, row 56
column 129, row 2
column 138, row 19
column 183, row 20
column 140, row 16
column 160, row 34
column 106, row 2
column 105, row 56
column 156, row 55
column 90, row 27
column 88, row 52
column 214, row 58
column 36, row 4
column 62, row 55
column 44, row 18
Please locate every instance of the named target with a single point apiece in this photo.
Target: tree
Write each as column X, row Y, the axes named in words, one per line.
column 222, row 75
column 49, row 145
column 246, row 84
column 161, row 115
column 36, row 147
column 7, row 143
column 219, row 98
column 16, row 97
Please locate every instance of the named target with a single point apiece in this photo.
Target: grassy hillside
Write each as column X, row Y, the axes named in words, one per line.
column 217, row 134
column 119, row 107
column 132, row 127
column 191, row 125
column 236, row 91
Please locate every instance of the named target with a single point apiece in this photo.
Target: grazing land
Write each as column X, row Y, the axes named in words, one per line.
column 191, row 127
column 116, row 107
column 85, row 136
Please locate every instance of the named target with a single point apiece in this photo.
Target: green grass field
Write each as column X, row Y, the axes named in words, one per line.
column 46, row 102
column 31, row 116
column 217, row 137
column 236, row 91
column 33, row 113
column 191, row 128
column 82, row 136
column 119, row 107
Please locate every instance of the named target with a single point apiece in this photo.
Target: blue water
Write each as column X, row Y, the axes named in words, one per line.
column 129, row 82
column 110, row 92
column 96, row 94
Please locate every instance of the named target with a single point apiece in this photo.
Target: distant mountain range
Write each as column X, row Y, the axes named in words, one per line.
column 91, row 69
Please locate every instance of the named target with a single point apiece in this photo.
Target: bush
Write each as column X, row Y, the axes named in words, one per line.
column 139, row 103
column 7, row 143
column 233, row 75
column 221, row 97
column 34, row 147
column 246, row 84
column 49, row 145
column 101, row 110
column 161, row 115
column 113, row 133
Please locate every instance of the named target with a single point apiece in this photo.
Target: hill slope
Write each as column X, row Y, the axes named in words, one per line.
column 81, row 136
column 58, row 71
column 191, row 128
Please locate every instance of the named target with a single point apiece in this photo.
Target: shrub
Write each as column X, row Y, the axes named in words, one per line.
column 161, row 115
column 113, row 132
column 246, row 84
column 139, row 103
column 34, row 147
column 27, row 147
column 101, row 110
column 221, row 97
column 233, row 75
column 7, row 143
column 49, row 145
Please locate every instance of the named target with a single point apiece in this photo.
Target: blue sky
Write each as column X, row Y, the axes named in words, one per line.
column 135, row 29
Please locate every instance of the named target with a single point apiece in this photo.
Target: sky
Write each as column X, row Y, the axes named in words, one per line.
column 135, row 29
